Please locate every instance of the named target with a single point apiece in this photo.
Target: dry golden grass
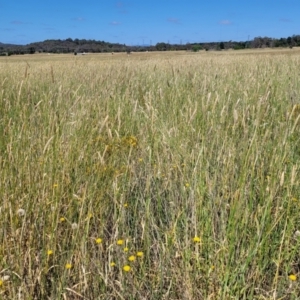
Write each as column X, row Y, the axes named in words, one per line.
column 150, row 175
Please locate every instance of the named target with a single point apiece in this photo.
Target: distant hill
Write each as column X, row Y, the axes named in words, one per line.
column 63, row 46
column 76, row 45
column 82, row 45
column 7, row 45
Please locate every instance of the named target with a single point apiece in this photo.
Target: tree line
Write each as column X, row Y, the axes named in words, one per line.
column 92, row 46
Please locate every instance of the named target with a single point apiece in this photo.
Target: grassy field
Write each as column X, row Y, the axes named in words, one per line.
column 150, row 176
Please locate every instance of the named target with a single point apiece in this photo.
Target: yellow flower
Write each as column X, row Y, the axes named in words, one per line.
column 62, row 219
column 132, row 141
column 120, row 242
column 126, row 268
column 1, row 283
column 196, row 239
column 126, row 249
column 68, row 266
column 55, row 185
column 139, row 254
column 187, row 184
column 131, row 258
column 112, row 264
column 125, row 205
column 98, row 241
column 293, row 277
column 49, row 252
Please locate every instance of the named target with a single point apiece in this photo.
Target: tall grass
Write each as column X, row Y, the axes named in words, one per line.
column 190, row 160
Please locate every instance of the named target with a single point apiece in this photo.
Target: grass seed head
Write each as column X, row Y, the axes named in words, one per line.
column 74, row 226
column 21, row 212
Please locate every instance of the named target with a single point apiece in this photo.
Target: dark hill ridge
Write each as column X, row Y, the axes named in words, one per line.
column 76, row 45
column 8, row 45
column 82, row 45
column 63, row 46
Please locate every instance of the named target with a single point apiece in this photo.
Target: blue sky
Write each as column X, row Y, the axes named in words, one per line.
column 138, row 22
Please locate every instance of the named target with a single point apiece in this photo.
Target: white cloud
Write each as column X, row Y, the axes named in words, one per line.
column 115, row 23
column 225, row 22
column 79, row 19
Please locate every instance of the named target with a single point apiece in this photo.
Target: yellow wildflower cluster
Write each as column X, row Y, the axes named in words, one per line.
column 130, row 140
column 120, row 242
column 131, row 258
column 116, row 143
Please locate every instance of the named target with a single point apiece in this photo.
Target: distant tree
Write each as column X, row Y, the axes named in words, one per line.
column 291, row 41
column 257, row 42
column 222, row 46
column 206, row 46
column 188, row 47
column 280, row 43
column 240, row 45
column 163, row 46
column 31, row 50
column 196, row 48
column 262, row 42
